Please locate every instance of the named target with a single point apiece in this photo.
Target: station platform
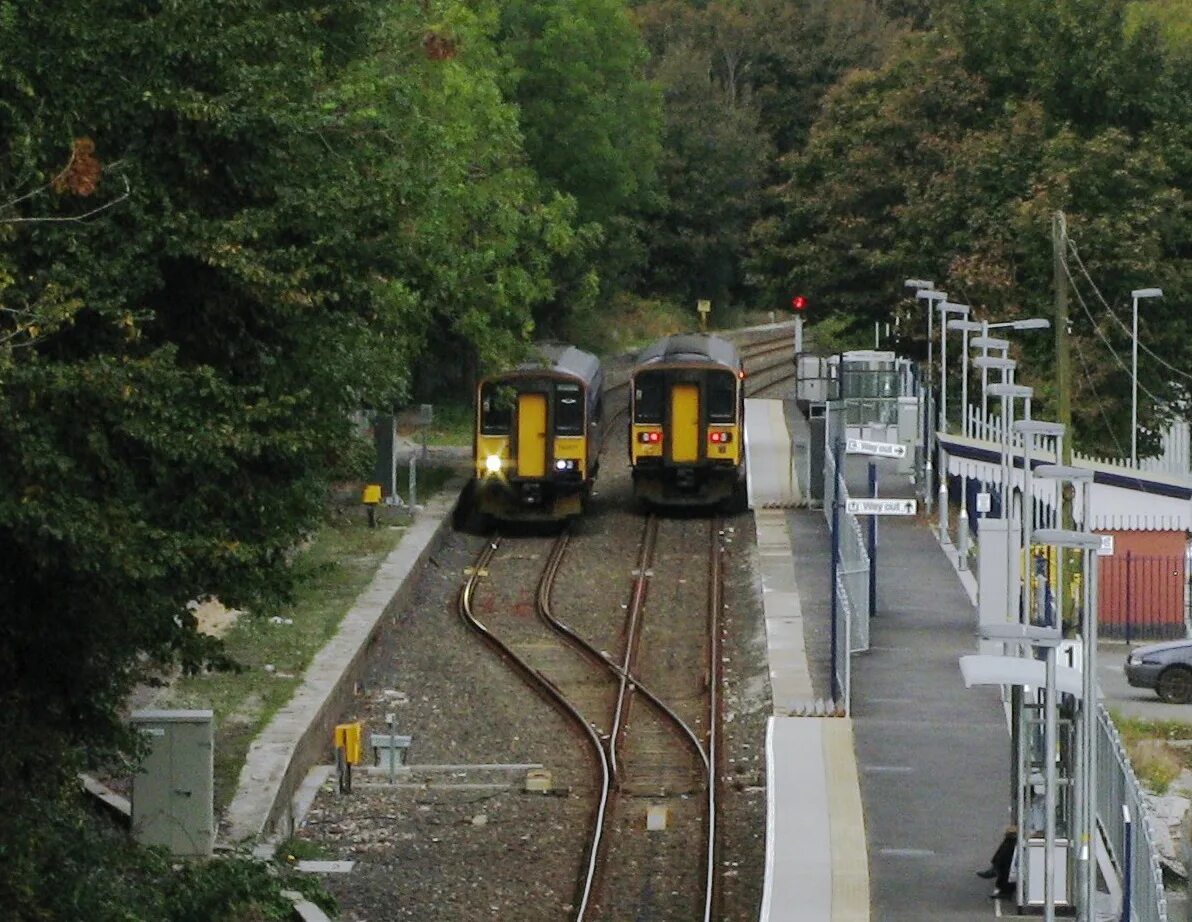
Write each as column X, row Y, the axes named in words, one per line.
column 885, row 814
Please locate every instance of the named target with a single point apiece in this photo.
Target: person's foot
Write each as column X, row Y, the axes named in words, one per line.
column 988, row 873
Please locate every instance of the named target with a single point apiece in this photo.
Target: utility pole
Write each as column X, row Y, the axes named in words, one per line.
column 1063, row 356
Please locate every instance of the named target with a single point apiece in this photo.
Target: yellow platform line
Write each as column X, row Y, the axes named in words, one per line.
column 850, row 860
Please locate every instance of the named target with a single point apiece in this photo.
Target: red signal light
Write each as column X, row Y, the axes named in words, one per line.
column 799, row 303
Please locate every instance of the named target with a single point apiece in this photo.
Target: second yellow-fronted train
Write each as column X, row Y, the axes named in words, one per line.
column 538, row 429
column 686, row 428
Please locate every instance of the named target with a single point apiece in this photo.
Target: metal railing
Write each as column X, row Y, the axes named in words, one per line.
column 1132, row 846
column 850, row 558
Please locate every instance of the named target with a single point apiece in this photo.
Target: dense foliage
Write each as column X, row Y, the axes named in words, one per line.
column 225, row 227
column 950, row 161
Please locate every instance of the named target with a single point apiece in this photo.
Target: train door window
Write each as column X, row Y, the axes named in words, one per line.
column 496, row 408
column 721, row 395
column 649, row 399
column 569, row 409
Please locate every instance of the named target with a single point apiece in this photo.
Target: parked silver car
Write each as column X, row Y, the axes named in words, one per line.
column 1165, row 667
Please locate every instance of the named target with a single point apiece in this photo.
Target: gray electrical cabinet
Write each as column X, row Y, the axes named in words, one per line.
column 173, row 793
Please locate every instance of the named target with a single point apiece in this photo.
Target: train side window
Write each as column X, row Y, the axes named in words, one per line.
column 569, row 410
column 721, row 392
column 648, row 399
column 496, row 408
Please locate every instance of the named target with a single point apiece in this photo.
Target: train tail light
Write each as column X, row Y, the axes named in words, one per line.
column 649, row 438
column 720, row 438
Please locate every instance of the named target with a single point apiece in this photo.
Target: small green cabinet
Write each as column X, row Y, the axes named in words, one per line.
column 173, row 793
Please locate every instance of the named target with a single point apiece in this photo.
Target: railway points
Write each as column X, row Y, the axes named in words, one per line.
column 850, row 752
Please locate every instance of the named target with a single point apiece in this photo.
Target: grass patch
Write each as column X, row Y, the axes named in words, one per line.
column 628, row 323
column 431, row 478
column 452, row 425
column 332, row 570
column 1156, row 762
column 292, row 850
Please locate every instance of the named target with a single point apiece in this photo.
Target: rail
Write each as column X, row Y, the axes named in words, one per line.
column 556, row 698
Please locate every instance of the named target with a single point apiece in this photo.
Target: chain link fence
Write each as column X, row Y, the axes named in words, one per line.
column 851, row 597
column 1132, row 845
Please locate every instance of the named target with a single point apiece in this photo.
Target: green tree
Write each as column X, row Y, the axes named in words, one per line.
column 950, row 160
column 591, row 125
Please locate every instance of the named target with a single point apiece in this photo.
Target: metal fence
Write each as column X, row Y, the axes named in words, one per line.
column 851, row 599
column 1132, row 845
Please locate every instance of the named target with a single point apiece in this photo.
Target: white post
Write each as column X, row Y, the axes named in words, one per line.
column 1134, row 390
column 984, row 371
column 798, row 333
column 964, row 385
column 942, row 468
column 1090, row 698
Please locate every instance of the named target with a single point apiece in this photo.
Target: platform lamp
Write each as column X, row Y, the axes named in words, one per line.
column 962, row 526
column 930, row 297
column 1030, row 429
column 967, row 327
column 946, row 307
column 986, row 362
column 1088, row 544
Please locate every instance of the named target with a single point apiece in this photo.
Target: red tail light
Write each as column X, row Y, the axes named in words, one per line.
column 720, row 438
column 649, row 438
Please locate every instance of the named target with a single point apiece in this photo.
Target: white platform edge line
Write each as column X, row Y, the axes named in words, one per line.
column 767, row 891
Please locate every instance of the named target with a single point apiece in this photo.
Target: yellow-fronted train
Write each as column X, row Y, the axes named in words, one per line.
column 536, row 443
column 686, row 423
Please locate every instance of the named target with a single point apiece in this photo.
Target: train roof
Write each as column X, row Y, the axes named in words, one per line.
column 559, row 358
column 691, row 347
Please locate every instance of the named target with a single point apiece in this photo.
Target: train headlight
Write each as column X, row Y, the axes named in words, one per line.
column 492, row 464
column 561, row 465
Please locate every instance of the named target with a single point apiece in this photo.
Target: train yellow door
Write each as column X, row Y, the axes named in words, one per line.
column 684, row 418
column 531, row 435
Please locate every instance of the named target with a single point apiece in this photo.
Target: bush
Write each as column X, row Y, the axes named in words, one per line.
column 59, row 860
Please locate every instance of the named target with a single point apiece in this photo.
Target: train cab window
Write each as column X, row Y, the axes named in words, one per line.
column 721, row 390
column 496, row 408
column 569, row 409
column 648, row 399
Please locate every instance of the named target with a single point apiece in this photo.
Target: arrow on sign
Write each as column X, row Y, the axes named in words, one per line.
column 881, row 449
column 881, row 506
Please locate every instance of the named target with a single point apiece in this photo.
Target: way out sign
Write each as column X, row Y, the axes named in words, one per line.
column 881, row 506
column 881, row 449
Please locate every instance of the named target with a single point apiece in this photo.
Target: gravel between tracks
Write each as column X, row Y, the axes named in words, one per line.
column 466, row 847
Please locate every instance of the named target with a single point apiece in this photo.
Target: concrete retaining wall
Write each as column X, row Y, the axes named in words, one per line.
column 299, row 736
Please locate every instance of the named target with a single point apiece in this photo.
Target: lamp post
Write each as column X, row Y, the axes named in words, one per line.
column 986, row 342
column 946, row 308
column 986, row 362
column 962, row 525
column 967, row 326
column 931, row 297
column 1088, row 544
column 918, row 285
column 1137, row 295
column 1008, row 392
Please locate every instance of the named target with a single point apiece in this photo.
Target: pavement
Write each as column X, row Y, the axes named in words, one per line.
column 919, row 773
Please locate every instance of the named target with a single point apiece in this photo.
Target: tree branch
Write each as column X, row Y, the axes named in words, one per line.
column 72, row 218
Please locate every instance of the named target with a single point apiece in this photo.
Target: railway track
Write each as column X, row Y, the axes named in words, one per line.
column 650, row 754
column 779, row 345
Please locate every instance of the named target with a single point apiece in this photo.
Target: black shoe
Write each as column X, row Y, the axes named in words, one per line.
column 988, row 873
